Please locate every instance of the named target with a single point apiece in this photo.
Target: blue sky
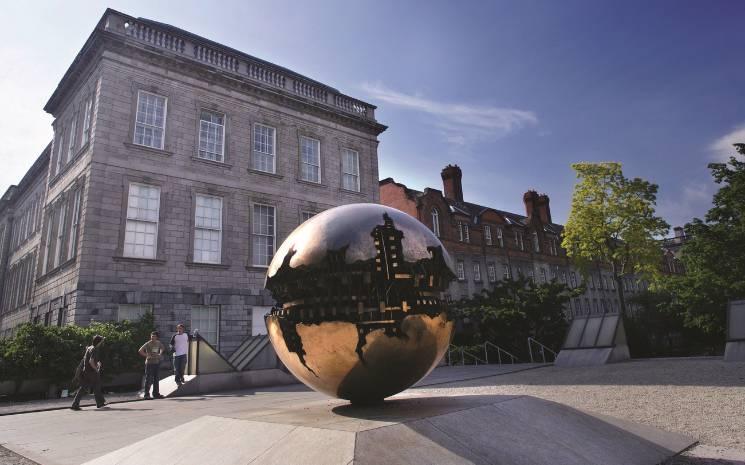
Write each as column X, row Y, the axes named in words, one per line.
column 513, row 92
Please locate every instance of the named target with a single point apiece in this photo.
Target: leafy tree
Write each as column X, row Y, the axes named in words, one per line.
column 714, row 255
column 516, row 309
column 612, row 221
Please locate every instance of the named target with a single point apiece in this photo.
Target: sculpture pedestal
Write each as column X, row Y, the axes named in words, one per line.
column 410, row 430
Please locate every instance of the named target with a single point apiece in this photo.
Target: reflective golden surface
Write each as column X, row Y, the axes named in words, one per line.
column 359, row 312
column 388, row 365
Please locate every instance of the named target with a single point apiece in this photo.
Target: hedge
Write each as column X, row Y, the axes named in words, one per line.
column 53, row 352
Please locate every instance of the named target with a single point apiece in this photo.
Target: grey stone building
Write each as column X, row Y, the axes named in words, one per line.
column 177, row 167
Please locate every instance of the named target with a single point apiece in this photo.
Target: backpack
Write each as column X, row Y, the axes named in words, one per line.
column 79, row 371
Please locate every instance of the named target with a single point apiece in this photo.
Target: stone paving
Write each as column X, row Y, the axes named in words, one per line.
column 703, row 398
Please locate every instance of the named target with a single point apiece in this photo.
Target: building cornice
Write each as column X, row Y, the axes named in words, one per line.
column 223, row 63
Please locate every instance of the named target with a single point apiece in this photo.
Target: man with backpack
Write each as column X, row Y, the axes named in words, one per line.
column 88, row 374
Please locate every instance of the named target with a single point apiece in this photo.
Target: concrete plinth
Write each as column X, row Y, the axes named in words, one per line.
column 594, row 356
column 408, row 430
column 734, row 351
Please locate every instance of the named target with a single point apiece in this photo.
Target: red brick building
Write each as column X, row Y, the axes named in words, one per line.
column 488, row 244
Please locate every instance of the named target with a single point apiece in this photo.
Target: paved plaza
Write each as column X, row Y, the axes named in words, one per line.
column 702, row 398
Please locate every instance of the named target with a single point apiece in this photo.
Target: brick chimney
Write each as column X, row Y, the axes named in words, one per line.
column 530, row 199
column 451, row 182
column 680, row 234
column 543, row 208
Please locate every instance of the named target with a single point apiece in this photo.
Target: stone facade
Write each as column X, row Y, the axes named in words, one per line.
column 488, row 245
column 105, row 271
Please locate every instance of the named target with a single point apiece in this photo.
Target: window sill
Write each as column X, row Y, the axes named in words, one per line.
column 311, row 183
column 257, row 268
column 347, row 191
column 151, row 261
column 217, row 266
column 219, row 164
column 265, row 173
column 62, row 266
column 144, row 148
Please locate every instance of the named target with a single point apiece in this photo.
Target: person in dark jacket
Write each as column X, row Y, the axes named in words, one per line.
column 88, row 374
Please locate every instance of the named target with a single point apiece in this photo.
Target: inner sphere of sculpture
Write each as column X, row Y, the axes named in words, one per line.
column 359, row 314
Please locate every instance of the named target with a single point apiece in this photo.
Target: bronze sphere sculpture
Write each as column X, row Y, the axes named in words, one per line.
column 359, row 314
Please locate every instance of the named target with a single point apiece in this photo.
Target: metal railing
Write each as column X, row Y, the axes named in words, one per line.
column 542, row 349
column 463, row 353
column 500, row 351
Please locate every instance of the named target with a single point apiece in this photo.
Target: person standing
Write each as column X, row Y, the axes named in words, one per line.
column 88, row 374
column 179, row 347
column 152, row 350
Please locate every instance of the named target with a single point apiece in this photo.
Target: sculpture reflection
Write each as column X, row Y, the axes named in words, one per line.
column 359, row 314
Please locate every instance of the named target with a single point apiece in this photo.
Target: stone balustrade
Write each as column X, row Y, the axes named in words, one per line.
column 231, row 61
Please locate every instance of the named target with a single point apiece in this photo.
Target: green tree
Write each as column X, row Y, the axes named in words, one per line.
column 612, row 221
column 515, row 309
column 714, row 255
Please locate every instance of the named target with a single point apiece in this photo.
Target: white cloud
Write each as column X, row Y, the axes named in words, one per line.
column 693, row 201
column 722, row 148
column 459, row 123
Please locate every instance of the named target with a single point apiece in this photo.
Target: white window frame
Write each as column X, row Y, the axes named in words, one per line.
column 48, row 243
column 356, row 169
column 206, row 127
column 487, row 234
column 74, row 221
column 125, row 311
column 150, row 126
column 273, row 154
column 477, row 272
column 60, row 150
column 543, row 275
column 463, row 233
column 460, row 268
column 71, row 141
column 87, row 120
column 519, row 242
column 60, row 236
column 255, row 235
column 201, row 331
column 436, row 221
column 305, row 215
column 500, row 236
column 199, row 258
column 506, row 272
column 135, row 220
column 317, row 144
column 536, row 243
column 491, row 270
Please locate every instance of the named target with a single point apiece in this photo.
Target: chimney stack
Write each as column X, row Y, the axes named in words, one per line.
column 543, row 209
column 530, row 199
column 537, row 206
column 451, row 182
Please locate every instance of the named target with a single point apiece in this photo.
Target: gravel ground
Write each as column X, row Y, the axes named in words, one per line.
column 700, row 397
column 11, row 458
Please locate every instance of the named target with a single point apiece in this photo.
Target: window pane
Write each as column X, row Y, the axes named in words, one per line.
column 208, row 229
column 206, row 320
column 211, row 136
column 263, row 157
column 310, row 160
column 263, row 234
column 150, row 120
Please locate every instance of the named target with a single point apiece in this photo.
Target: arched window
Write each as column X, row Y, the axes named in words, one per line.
column 436, row 222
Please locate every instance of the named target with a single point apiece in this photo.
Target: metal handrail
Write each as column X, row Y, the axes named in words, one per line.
column 463, row 352
column 500, row 351
column 542, row 348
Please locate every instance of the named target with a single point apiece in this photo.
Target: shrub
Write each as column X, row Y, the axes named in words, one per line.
column 53, row 352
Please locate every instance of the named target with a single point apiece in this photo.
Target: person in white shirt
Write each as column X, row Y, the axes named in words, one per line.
column 180, row 347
